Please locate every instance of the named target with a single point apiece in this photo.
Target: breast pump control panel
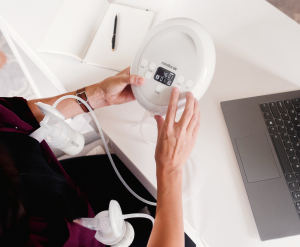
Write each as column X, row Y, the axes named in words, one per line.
column 160, row 76
column 163, row 76
column 178, row 52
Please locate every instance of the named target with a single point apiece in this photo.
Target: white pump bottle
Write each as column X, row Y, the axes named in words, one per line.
column 56, row 132
column 111, row 227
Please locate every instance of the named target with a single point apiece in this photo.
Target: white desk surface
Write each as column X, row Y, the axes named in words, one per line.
column 258, row 52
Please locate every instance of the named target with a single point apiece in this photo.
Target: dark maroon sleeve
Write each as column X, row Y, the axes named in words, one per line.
column 16, row 116
column 20, row 107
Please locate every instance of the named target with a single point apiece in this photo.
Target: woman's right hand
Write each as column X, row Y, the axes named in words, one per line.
column 176, row 140
column 175, row 143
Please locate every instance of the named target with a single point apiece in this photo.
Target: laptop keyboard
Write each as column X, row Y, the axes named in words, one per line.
column 283, row 121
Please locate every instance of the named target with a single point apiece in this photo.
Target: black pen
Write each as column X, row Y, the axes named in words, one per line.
column 114, row 34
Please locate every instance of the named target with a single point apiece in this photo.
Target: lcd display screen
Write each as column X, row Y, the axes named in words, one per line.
column 164, row 76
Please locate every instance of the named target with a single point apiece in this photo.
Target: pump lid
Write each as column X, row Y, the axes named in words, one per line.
column 116, row 218
column 50, row 111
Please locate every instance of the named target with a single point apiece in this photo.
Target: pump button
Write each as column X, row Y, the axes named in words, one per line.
column 148, row 75
column 180, row 79
column 152, row 66
column 189, row 83
column 159, row 88
column 144, row 62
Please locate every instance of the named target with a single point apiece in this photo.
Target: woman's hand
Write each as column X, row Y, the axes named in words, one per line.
column 176, row 141
column 111, row 91
column 114, row 90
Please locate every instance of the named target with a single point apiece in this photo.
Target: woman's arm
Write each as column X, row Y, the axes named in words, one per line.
column 111, row 91
column 2, row 59
column 175, row 143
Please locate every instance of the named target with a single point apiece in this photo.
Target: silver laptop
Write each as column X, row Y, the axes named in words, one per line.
column 265, row 134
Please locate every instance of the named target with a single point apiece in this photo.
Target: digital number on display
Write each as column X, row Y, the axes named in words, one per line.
column 164, row 76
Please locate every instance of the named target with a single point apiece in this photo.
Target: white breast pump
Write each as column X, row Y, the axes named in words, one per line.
column 110, row 227
column 56, row 132
column 178, row 52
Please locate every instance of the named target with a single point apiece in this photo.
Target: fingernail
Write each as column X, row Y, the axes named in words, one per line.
column 176, row 89
column 190, row 93
column 139, row 80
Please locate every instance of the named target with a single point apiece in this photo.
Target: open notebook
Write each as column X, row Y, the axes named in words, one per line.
column 83, row 29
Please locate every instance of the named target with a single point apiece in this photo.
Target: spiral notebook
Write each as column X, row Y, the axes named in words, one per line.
column 83, row 29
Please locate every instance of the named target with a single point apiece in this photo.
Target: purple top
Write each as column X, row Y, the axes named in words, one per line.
column 16, row 116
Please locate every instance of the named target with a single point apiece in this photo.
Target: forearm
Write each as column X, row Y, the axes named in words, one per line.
column 68, row 107
column 168, row 227
column 113, row 90
column 175, row 142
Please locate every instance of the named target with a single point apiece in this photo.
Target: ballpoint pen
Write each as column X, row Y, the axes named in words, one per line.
column 114, row 34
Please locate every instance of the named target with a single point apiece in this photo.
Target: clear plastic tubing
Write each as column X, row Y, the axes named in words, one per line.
column 101, row 224
column 145, row 117
column 128, row 216
column 147, row 114
column 105, row 146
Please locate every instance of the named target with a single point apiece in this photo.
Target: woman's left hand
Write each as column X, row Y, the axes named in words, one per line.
column 114, row 90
